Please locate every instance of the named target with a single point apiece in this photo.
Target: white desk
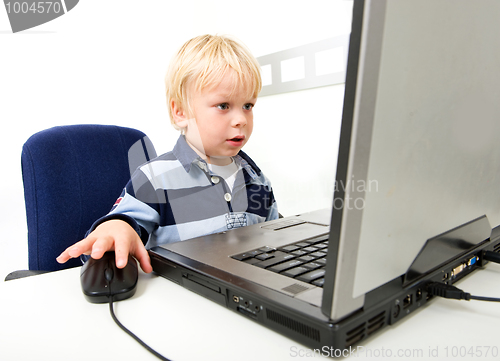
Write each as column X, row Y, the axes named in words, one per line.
column 46, row 317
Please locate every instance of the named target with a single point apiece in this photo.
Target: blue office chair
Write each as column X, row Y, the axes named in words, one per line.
column 73, row 175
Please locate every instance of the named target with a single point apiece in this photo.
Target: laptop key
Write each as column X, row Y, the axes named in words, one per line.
column 242, row 256
column 285, row 265
column 278, row 258
column 311, row 276
column 317, row 254
column 311, row 265
column 266, row 249
column 290, row 248
column 246, row 255
column 321, row 245
column 251, row 260
column 302, row 244
column 312, row 241
column 321, row 261
column 293, row 272
column 319, row 282
column 306, row 258
column 310, row 249
column 316, row 240
column 264, row 256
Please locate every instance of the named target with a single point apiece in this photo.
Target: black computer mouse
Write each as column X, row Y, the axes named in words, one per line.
column 102, row 280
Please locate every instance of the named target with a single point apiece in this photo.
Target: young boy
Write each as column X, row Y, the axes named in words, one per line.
column 206, row 184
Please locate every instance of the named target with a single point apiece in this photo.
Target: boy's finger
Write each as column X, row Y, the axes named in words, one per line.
column 63, row 257
column 144, row 260
column 122, row 249
column 76, row 250
column 100, row 246
column 146, row 265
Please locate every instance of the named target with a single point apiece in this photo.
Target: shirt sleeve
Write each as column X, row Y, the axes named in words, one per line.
column 137, row 205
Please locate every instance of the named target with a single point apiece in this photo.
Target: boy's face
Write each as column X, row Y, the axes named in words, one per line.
column 221, row 122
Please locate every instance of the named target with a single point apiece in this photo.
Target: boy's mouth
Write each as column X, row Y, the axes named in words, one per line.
column 237, row 140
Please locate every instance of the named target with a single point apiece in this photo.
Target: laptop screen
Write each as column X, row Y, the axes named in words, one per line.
column 418, row 153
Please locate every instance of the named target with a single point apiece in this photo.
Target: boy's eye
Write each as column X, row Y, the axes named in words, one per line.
column 248, row 106
column 223, row 106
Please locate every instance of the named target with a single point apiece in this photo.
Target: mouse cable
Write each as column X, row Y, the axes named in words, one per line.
column 161, row 357
column 449, row 291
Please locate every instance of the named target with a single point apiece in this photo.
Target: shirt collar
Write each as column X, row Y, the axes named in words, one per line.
column 248, row 164
column 187, row 157
column 185, row 154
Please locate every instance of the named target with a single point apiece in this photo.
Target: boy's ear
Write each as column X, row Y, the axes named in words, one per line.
column 179, row 114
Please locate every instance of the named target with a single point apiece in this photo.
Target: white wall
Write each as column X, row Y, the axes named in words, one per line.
column 104, row 62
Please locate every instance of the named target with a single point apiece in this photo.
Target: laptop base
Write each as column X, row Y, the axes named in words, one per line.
column 303, row 322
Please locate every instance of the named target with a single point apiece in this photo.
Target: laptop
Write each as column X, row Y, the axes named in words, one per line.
column 416, row 188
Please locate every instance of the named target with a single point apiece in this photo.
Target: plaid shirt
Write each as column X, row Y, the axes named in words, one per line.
column 175, row 197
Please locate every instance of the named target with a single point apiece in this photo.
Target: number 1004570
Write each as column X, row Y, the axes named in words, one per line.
column 475, row 352
column 36, row 7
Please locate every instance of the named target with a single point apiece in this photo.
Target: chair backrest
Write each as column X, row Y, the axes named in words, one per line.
column 73, row 175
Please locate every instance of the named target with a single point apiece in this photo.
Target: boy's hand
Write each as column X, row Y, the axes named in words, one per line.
column 111, row 235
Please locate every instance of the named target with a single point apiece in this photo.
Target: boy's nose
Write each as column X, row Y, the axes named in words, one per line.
column 239, row 120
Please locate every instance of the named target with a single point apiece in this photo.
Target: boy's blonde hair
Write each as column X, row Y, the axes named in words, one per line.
column 203, row 61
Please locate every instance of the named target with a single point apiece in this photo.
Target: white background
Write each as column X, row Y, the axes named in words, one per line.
column 104, row 62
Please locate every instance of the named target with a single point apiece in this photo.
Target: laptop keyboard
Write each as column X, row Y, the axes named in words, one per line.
column 304, row 260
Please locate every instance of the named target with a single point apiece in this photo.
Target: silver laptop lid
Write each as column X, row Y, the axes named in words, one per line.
column 419, row 153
